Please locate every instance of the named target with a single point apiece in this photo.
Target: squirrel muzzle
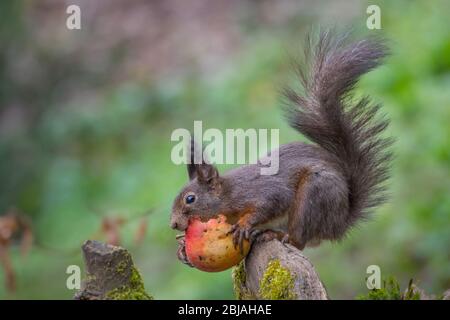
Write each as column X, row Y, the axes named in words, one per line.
column 178, row 221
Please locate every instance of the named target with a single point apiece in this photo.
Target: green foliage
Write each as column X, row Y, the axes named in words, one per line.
column 391, row 291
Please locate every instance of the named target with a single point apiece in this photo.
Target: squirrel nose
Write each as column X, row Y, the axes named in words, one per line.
column 173, row 225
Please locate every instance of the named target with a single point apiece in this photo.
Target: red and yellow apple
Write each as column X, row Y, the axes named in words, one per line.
column 209, row 245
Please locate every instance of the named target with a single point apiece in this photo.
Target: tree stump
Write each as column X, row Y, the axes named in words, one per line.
column 273, row 270
column 110, row 274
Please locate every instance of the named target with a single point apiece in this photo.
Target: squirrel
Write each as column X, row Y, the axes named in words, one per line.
column 322, row 189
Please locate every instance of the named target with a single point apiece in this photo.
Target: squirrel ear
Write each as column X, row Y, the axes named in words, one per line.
column 203, row 171
column 207, row 174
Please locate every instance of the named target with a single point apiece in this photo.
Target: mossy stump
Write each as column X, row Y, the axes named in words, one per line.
column 110, row 274
column 276, row 271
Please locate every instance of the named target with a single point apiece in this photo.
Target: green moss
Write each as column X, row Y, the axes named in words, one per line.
column 240, row 291
column 134, row 291
column 411, row 293
column 277, row 283
column 122, row 266
column 90, row 278
column 127, row 293
column 391, row 291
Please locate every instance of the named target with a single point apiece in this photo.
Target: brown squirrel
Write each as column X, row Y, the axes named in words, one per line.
column 321, row 190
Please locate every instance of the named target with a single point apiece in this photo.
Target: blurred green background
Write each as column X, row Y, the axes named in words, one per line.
column 86, row 117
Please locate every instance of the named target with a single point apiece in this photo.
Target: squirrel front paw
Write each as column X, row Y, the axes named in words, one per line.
column 181, row 252
column 241, row 233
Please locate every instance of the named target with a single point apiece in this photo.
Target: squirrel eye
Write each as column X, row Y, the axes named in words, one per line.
column 190, row 199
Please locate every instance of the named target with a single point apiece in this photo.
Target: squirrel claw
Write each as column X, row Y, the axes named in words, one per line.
column 240, row 233
column 234, row 227
column 254, row 234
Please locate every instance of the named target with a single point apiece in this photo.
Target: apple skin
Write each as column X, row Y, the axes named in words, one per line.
column 209, row 247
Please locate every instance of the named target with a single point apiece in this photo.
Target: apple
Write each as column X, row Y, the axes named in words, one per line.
column 209, row 246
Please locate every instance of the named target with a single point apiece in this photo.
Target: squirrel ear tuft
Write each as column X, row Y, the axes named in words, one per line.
column 192, row 172
column 191, row 165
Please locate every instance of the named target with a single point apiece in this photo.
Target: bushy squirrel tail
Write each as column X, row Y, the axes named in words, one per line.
column 326, row 113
